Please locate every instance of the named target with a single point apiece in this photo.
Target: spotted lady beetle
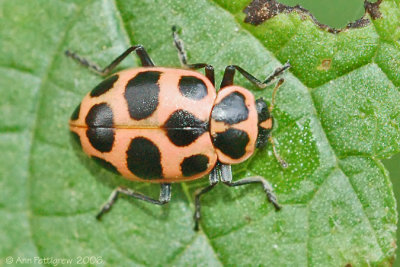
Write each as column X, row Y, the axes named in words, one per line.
column 167, row 125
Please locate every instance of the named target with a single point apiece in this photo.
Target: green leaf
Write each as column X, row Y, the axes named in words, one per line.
column 337, row 116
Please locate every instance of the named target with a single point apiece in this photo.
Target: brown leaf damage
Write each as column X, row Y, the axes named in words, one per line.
column 373, row 9
column 259, row 11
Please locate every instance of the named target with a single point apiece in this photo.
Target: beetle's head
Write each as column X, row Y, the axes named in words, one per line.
column 265, row 122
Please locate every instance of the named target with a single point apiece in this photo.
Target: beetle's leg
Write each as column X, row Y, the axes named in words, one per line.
column 250, row 180
column 281, row 161
column 230, row 73
column 165, row 197
column 226, row 178
column 214, row 178
column 209, row 70
column 140, row 51
column 266, row 186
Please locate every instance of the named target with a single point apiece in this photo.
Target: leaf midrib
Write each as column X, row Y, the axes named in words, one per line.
column 43, row 79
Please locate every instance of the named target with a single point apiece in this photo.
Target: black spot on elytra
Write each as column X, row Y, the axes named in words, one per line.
column 75, row 114
column 105, row 164
column 142, row 93
column 104, row 86
column 183, row 128
column 100, row 115
column 100, row 131
column 144, row 159
column 192, row 87
column 231, row 109
column 194, row 164
column 232, row 142
column 101, row 139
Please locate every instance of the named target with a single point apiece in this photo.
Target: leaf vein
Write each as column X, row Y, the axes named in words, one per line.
column 43, row 79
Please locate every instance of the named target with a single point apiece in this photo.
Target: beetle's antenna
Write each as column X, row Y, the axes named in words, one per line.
column 278, row 84
column 179, row 46
column 281, row 161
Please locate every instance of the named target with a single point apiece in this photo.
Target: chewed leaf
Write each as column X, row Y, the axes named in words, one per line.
column 259, row 11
